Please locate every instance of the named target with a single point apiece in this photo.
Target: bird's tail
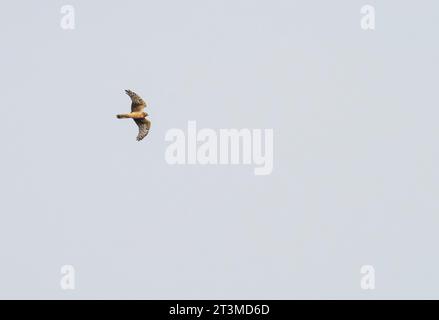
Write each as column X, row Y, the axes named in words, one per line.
column 132, row 115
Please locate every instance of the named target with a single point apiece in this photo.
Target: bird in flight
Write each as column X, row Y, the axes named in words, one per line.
column 137, row 114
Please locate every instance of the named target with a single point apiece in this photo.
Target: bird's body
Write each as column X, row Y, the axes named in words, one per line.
column 137, row 114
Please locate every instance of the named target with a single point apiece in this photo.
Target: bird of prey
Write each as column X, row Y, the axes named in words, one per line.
column 137, row 114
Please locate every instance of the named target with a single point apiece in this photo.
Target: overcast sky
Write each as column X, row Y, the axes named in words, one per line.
column 355, row 177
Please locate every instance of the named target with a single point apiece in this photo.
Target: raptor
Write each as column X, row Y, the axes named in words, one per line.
column 137, row 114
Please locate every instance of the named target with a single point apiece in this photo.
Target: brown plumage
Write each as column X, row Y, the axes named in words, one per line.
column 137, row 114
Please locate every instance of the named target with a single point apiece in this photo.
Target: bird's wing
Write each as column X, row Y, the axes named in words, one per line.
column 144, row 125
column 137, row 103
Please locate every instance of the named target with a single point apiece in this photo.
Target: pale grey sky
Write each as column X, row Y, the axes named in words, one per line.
column 354, row 115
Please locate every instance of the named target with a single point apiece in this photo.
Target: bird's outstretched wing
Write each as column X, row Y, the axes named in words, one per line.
column 137, row 103
column 144, row 125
